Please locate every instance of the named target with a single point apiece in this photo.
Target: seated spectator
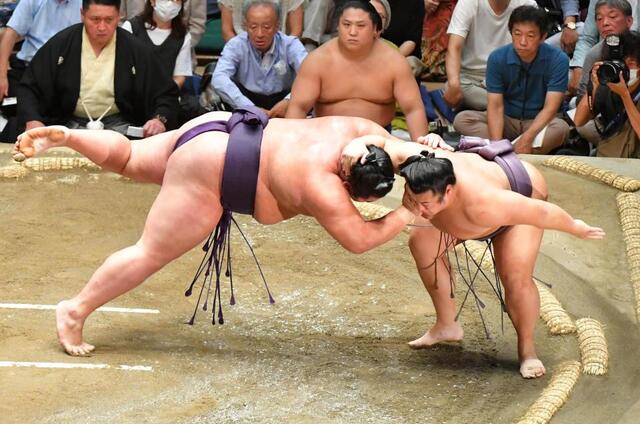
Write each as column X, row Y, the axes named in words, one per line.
column 232, row 15
column 258, row 67
column 35, row 21
column 612, row 17
column 477, row 28
column 565, row 27
column 405, row 29
column 161, row 27
column 194, row 15
column 616, row 105
column 357, row 74
column 435, row 38
column 95, row 71
column 317, row 22
column 407, row 47
column 617, row 16
column 383, row 8
column 526, row 82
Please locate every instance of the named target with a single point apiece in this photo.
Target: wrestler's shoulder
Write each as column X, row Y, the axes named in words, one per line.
column 326, row 53
column 383, row 49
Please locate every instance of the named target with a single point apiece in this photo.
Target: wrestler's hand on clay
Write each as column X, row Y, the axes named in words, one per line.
column 434, row 141
column 34, row 141
column 586, row 231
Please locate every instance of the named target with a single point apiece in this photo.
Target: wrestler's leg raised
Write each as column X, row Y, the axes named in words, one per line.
column 184, row 213
column 516, row 251
column 423, row 243
column 142, row 160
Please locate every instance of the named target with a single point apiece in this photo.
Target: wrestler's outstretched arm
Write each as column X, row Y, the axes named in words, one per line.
column 333, row 209
column 511, row 208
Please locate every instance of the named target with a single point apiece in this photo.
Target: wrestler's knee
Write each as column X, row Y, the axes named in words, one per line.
column 414, row 240
column 517, row 281
column 153, row 256
column 420, row 240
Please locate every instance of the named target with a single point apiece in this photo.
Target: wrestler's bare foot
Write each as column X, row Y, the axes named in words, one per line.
column 36, row 140
column 438, row 334
column 532, row 368
column 69, row 329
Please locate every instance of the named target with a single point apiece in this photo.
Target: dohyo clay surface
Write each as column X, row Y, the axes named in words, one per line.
column 333, row 346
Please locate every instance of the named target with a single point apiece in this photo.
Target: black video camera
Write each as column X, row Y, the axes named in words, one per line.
column 610, row 69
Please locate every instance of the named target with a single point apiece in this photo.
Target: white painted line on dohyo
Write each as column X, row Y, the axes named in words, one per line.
column 63, row 365
column 101, row 309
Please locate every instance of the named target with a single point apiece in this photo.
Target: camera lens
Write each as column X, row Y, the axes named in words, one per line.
column 608, row 72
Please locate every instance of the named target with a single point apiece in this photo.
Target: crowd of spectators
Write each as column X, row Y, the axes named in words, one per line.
column 552, row 76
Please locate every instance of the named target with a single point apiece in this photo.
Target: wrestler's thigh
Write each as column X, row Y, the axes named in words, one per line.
column 538, row 182
column 516, row 251
column 149, row 156
column 187, row 208
column 427, row 243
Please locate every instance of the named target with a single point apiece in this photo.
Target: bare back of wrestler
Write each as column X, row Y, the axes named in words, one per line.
column 299, row 173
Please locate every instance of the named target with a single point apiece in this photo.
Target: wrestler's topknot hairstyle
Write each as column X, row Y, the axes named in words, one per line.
column 363, row 5
column 373, row 178
column 425, row 172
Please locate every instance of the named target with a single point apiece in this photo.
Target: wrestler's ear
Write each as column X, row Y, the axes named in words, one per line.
column 447, row 192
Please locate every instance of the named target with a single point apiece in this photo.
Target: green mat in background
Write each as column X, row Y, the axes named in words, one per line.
column 211, row 41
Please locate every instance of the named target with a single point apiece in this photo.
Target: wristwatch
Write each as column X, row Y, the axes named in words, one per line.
column 161, row 118
column 570, row 25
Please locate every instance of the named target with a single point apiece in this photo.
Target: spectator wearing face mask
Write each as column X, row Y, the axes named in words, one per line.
column 194, row 16
column 161, row 26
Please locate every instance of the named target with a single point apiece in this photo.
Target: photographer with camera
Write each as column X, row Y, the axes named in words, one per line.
column 613, row 98
column 611, row 17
